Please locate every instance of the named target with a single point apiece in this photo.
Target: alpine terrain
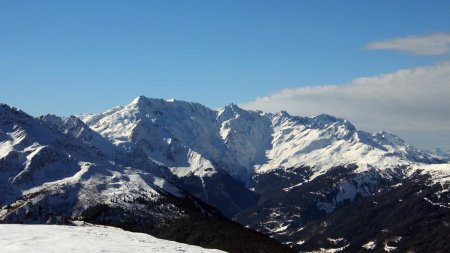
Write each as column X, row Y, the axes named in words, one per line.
column 230, row 179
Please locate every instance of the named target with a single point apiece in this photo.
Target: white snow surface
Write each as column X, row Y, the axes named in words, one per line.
column 439, row 172
column 331, row 250
column 388, row 248
column 370, row 245
column 56, row 238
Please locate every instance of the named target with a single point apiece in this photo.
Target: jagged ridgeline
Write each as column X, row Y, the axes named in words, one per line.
column 184, row 172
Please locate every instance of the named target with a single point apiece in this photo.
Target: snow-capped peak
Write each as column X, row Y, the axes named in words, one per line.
column 138, row 100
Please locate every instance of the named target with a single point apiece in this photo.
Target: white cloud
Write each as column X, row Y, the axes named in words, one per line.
column 414, row 103
column 434, row 44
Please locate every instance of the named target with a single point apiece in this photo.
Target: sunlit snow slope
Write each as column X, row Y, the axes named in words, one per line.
column 80, row 239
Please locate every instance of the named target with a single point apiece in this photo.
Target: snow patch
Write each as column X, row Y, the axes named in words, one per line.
column 331, row 250
column 281, row 228
column 369, row 245
column 388, row 248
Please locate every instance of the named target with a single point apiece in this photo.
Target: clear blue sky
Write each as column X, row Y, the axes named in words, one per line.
column 68, row 57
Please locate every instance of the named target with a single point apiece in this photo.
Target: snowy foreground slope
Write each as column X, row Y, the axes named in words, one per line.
column 80, row 239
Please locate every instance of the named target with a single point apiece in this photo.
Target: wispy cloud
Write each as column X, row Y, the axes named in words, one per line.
column 414, row 103
column 434, row 44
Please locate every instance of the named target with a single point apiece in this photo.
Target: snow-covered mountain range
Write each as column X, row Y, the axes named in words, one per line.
column 275, row 173
column 189, row 139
